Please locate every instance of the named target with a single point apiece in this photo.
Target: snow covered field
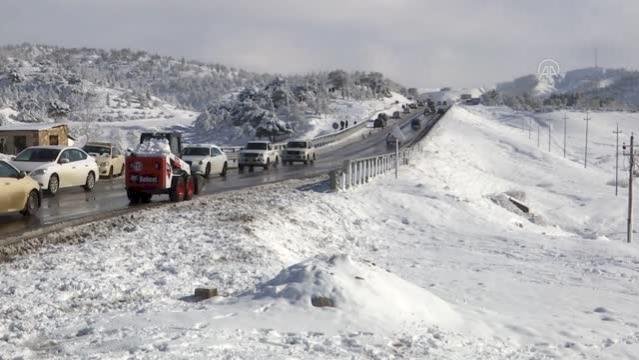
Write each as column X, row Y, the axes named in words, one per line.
column 437, row 264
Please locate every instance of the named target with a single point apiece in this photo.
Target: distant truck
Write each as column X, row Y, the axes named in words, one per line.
column 415, row 124
column 381, row 121
column 473, row 101
column 155, row 167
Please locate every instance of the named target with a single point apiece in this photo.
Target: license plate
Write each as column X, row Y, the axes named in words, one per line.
column 144, row 179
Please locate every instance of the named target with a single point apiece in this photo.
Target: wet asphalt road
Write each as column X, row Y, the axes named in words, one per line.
column 108, row 195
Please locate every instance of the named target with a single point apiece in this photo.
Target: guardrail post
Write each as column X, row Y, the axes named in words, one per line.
column 367, row 170
column 333, row 180
column 348, row 174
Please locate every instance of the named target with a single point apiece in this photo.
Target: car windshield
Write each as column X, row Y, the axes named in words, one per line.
column 38, row 155
column 296, row 144
column 93, row 149
column 7, row 170
column 256, row 146
column 198, row 151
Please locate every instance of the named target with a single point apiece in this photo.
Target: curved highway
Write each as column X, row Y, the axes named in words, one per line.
column 109, row 195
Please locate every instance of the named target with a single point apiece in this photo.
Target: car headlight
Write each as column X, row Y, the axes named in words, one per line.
column 39, row 172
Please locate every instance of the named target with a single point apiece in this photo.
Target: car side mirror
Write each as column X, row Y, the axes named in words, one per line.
column 22, row 175
column 63, row 161
column 13, row 158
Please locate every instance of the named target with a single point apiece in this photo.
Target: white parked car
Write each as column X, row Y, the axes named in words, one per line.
column 259, row 153
column 205, row 159
column 56, row 167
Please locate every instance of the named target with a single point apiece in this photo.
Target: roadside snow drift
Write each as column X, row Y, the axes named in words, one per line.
column 362, row 292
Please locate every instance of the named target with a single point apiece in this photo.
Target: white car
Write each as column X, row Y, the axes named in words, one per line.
column 205, row 159
column 56, row 167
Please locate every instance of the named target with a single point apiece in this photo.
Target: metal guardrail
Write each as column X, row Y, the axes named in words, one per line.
column 360, row 171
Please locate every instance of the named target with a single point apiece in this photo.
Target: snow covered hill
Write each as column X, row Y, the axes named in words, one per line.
column 594, row 88
column 438, row 264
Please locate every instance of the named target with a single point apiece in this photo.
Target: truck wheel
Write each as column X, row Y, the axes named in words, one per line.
column 277, row 162
column 121, row 171
column 240, row 168
column 134, row 196
column 207, row 172
column 111, row 172
column 225, row 168
column 268, row 164
column 32, row 205
column 189, row 182
column 306, row 160
column 178, row 188
column 251, row 168
column 313, row 159
column 145, row 198
column 90, row 183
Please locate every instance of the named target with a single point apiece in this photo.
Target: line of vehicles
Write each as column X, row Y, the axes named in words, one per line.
column 159, row 165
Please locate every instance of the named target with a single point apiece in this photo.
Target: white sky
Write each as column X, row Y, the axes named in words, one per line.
column 418, row 43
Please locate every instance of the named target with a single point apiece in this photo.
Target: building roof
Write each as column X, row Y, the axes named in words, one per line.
column 30, row 126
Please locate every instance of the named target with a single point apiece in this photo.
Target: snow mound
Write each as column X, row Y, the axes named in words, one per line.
column 360, row 290
column 153, row 147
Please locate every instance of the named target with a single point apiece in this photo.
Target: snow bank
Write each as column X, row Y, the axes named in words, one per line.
column 360, row 290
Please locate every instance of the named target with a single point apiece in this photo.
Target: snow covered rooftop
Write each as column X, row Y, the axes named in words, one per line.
column 30, row 127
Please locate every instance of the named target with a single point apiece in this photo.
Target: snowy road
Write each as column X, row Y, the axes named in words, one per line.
column 109, row 195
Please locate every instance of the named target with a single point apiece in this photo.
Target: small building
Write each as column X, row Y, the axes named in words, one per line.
column 17, row 137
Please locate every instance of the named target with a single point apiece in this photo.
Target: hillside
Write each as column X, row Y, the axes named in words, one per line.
column 594, row 88
column 103, row 93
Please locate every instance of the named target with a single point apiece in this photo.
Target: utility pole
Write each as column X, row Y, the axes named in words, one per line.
column 586, row 151
column 396, row 157
column 564, row 135
column 549, row 132
column 631, row 154
column 617, row 132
